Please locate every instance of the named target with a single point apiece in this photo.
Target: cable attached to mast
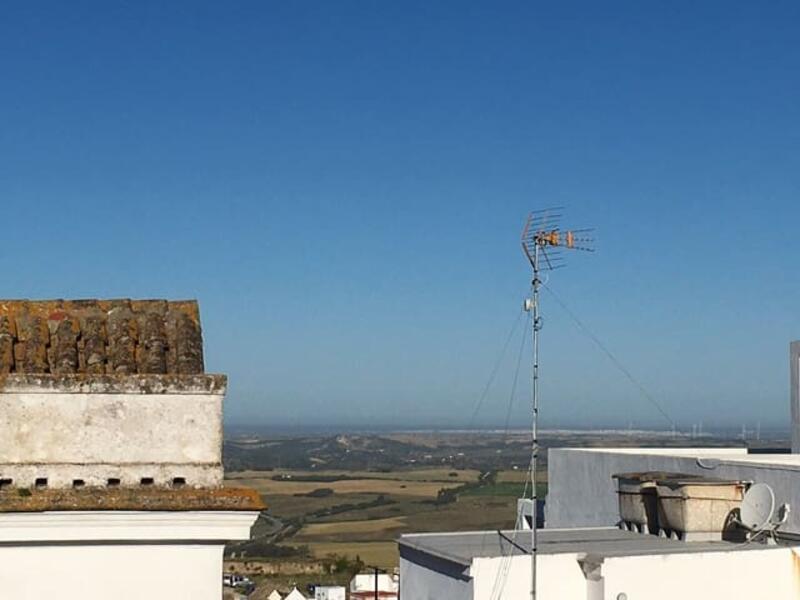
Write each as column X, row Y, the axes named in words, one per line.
column 614, row 360
column 495, row 369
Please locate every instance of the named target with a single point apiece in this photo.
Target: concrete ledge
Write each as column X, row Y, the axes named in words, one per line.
column 124, row 555
column 129, row 499
column 113, row 384
column 84, row 528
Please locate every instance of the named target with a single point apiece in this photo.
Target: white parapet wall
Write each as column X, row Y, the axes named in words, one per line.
column 582, row 493
column 122, row 555
column 559, row 576
column 768, row 573
column 760, row 572
column 593, row 564
column 66, row 431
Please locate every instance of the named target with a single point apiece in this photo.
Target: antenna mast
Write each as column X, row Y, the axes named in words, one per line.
column 543, row 242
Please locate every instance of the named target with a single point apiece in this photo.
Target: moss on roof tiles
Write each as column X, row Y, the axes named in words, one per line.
column 101, row 337
column 121, row 499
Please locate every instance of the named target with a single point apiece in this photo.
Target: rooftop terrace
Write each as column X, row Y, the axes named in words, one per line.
column 601, row 542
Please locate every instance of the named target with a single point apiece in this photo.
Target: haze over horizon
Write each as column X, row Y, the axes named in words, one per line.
column 342, row 186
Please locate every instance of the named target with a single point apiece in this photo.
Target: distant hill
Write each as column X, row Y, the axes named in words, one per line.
column 484, row 451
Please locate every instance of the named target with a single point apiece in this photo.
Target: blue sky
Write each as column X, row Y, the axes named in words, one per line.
column 342, row 186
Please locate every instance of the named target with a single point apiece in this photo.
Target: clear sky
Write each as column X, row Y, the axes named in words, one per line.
column 342, row 186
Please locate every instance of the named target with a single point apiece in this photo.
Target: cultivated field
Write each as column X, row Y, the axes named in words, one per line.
column 270, row 487
column 421, row 474
column 360, row 514
column 379, row 554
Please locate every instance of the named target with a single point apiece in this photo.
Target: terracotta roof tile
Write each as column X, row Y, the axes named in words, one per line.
column 114, row 337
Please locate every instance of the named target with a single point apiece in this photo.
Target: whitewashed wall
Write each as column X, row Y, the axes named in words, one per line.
column 559, row 577
column 125, row 556
column 768, row 574
column 93, row 437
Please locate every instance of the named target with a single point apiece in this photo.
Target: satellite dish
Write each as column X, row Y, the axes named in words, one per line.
column 758, row 507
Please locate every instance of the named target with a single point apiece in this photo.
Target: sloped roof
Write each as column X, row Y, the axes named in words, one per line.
column 101, row 337
column 295, row 595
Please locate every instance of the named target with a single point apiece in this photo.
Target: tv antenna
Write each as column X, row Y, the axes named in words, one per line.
column 545, row 244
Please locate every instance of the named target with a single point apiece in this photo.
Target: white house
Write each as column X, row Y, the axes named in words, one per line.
column 329, row 592
column 295, row 595
column 365, row 586
column 583, row 554
column 592, row 564
column 110, row 454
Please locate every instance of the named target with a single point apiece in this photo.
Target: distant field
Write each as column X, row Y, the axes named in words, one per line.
column 360, row 530
column 402, row 492
column 426, row 474
column 368, row 511
column 380, row 554
column 353, row 486
column 513, row 476
column 398, row 506
column 508, row 488
column 470, row 513
column 288, row 507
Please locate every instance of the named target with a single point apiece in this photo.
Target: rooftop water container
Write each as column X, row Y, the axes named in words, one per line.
column 638, row 499
column 697, row 509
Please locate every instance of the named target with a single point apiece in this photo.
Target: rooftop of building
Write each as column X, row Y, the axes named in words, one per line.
column 707, row 458
column 100, row 337
column 602, row 542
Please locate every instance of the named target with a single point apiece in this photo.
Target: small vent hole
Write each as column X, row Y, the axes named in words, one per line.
column 5, row 483
column 41, row 482
column 78, row 483
column 179, row 482
column 147, row 481
column 113, row 482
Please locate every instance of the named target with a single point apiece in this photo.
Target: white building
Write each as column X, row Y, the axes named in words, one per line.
column 592, row 564
column 295, row 595
column 584, row 555
column 110, row 454
column 365, row 586
column 330, row 592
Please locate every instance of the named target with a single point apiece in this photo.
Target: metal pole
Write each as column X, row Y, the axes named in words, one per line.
column 376, row 583
column 534, row 429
